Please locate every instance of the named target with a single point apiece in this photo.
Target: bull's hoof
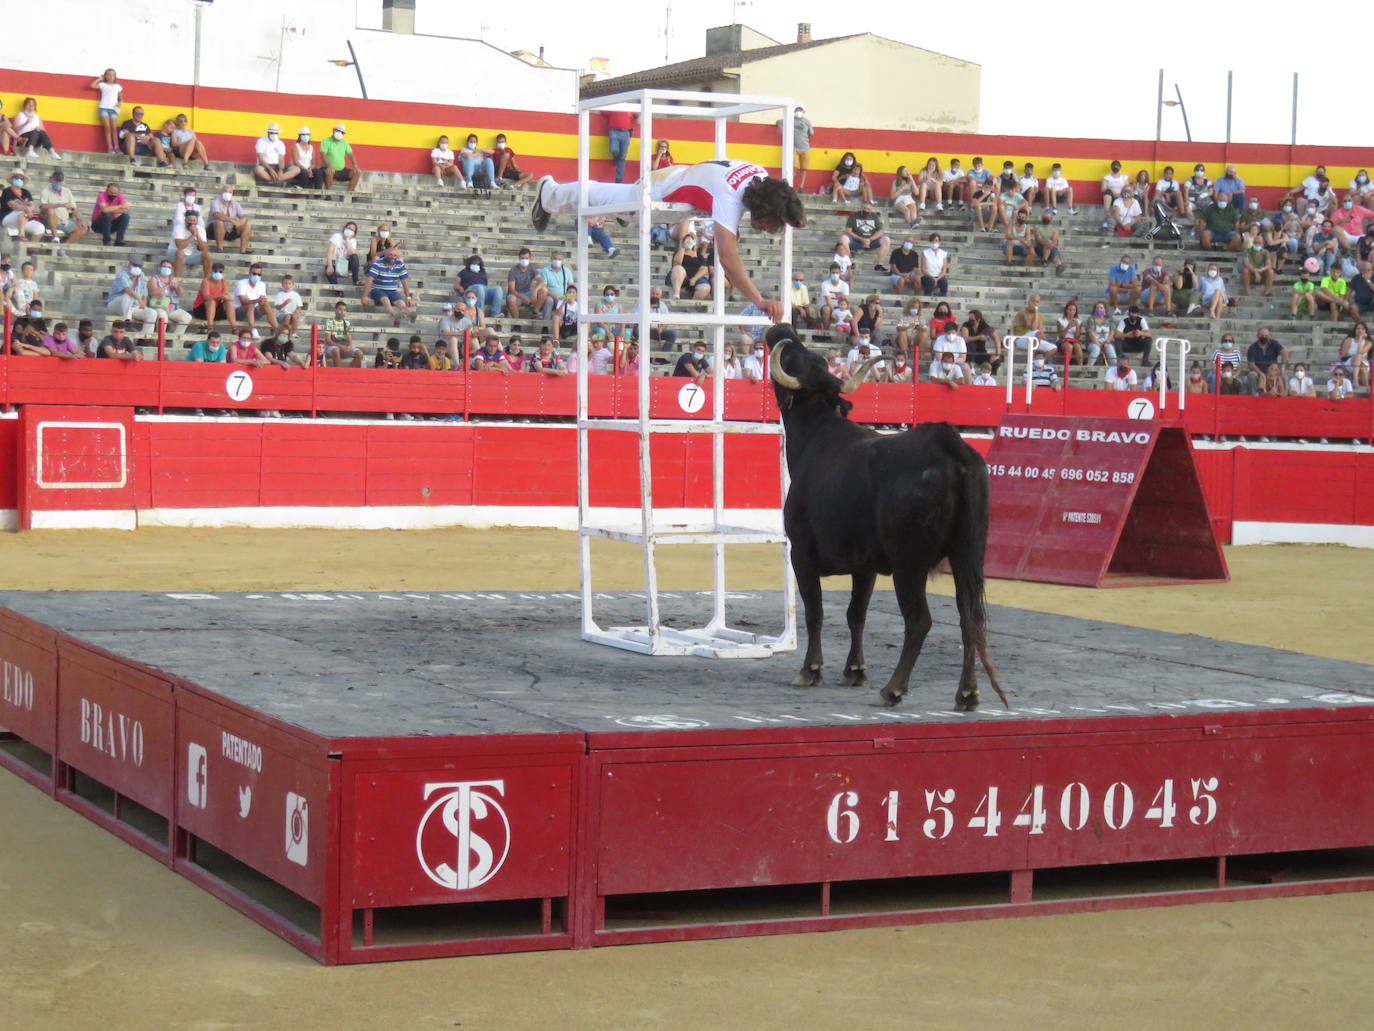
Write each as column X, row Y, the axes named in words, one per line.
column 890, row 697
column 810, row 676
column 855, row 676
column 965, row 701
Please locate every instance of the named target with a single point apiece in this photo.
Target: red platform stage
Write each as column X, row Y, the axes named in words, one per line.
column 379, row 777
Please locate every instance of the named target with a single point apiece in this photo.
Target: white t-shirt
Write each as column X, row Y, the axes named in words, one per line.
column 1302, row 387
column 179, row 217
column 345, row 245
column 1116, row 381
column 933, row 260
column 985, row 379
column 441, row 155
column 181, row 232
column 1056, row 182
column 290, row 298
column 1115, row 182
column 1126, row 212
column 1166, row 186
column 1310, row 186
column 303, row 154
column 952, row 175
column 753, row 368
column 270, row 151
column 1339, row 391
column 714, row 187
column 831, row 289
column 109, row 95
column 845, row 261
column 945, row 370
column 947, row 344
column 1028, row 184
column 246, row 291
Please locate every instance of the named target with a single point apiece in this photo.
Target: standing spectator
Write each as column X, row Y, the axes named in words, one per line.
column 1113, row 184
column 904, row 196
column 287, row 304
column 1332, row 292
column 189, row 237
column 109, row 89
column 21, row 213
column 28, row 126
column 388, row 284
column 663, row 155
column 1267, row 359
column 186, row 144
column 472, row 277
column 1217, row 225
column 476, row 159
column 1133, row 335
column 301, row 173
column 57, row 204
column 509, row 174
column 521, row 284
column 213, row 299
column 802, row 131
column 341, row 256
column 864, row 229
column 128, row 297
column 118, row 345
column 139, row 141
column 934, row 269
column 1058, row 191
column 1121, row 376
column 271, row 156
column 1338, row 387
column 339, row 160
column 1100, row 336
column 164, row 297
column 229, row 221
column 1257, row 267
column 250, row 295
column 1232, row 184
column 1156, row 285
column 905, row 267
column 1123, row 277
column 1127, row 216
column 847, row 180
column 619, row 126
column 555, row 279
column 443, row 162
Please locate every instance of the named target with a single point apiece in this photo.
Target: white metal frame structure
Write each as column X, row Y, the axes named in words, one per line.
column 716, row 639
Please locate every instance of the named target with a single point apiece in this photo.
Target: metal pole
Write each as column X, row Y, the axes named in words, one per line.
column 1183, row 108
column 1293, row 140
column 195, row 67
column 1229, row 77
column 1159, row 108
column 357, row 68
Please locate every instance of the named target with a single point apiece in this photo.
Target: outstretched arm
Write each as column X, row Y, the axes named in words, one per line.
column 727, row 246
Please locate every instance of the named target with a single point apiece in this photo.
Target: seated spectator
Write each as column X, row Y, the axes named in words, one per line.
column 564, row 315
column 729, row 364
column 1156, row 377
column 243, row 351
column 599, row 357
column 27, row 338
column 929, row 181
column 164, row 297
column 1121, row 376
column 844, row 260
column 1156, row 285
column 57, row 207
column 1361, row 188
column 754, row 369
column 1197, row 192
column 841, row 319
column 952, row 343
column 1010, row 202
column 27, row 125
column 904, row 191
column 690, row 270
column 475, row 159
column 984, row 345
column 981, row 193
column 804, row 314
column 1196, row 384
column 388, row 285
column 23, row 292
column 848, row 181
column 1361, row 292
column 186, row 145
column 439, row 359
column 1100, row 336
column 835, row 363
column 1217, row 226
column 1305, row 191
column 1321, row 243
column 663, row 155
column 213, row 299
column 1233, row 185
column 138, row 140
column 1123, row 278
column 387, row 357
column 250, row 299
column 443, row 161
column 1300, row 384
column 164, row 137
column 21, row 213
column 128, row 297
column 1017, row 243
column 1252, row 220
column 472, row 277
column 341, row 256
column 1133, row 335
column 1029, row 184
column 1070, row 335
column 1257, row 266
column 85, row 338
column 1354, row 355
column 833, row 289
column 339, row 348
column 902, row 370
column 1332, row 291
column 339, row 161
column 1338, row 387
column 657, row 306
column 954, row 183
column 1046, row 245
column 228, row 220
column 416, row 356
column 548, row 361
column 596, row 230
column 118, row 345
column 1042, row 373
column 509, row 174
column 271, row 156
column 454, row 325
column 8, row 137
column 1113, row 184
column 1140, row 187
column 609, row 304
column 1058, row 191
column 627, row 361
column 905, row 267
column 1187, row 289
column 1212, row 292
column 1267, row 359
column 110, row 217
column 287, row 303
column 1283, row 236
column 1127, row 216
column 190, row 236
column 864, row 232
column 692, row 364
column 870, row 322
column 300, row 171
column 944, row 369
column 211, row 349
column 943, row 319
column 522, row 284
column 934, row 269
column 1169, row 192
column 984, row 377
column 912, row 335
column 1229, row 360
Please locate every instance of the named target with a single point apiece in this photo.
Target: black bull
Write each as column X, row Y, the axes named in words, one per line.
column 865, row 503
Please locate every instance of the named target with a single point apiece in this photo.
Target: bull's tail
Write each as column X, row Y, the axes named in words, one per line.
column 966, row 547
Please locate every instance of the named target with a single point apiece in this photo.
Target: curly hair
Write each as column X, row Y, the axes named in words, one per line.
column 774, row 201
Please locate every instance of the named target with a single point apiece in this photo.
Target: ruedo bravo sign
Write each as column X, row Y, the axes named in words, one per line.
column 1077, row 500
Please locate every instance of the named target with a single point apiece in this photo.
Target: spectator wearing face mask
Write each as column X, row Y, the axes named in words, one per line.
column 1042, row 373
column 912, row 335
column 1228, row 360
column 690, row 271
column 1133, row 335
column 945, row 368
column 1113, row 183
column 522, row 285
column 1197, row 192
column 213, row 300
column 1099, row 335
column 338, row 160
column 57, row 207
column 556, row 278
column 271, row 156
column 1361, row 188
column 609, row 304
column 803, row 311
column 1300, row 384
column 848, row 182
column 383, row 238
column 250, row 297
column 189, row 236
column 229, row 222
column 658, row 306
column 935, row 269
column 1283, row 234
column 301, row 173
column 1257, row 266
column 509, row 174
column 1121, row 376
column 1169, row 192
column 832, row 289
column 1217, row 228
column 443, row 161
column 1349, row 220
column 475, row 159
column 1127, row 216
column 1058, row 190
column 20, row 211
column 1267, row 359
column 1123, row 278
column 753, row 369
column 287, row 303
column 472, row 278
column 165, row 298
column 1231, row 183
column 902, row 370
column 341, row 255
column 128, row 297
column 1018, row 240
column 905, row 266
column 1156, row 285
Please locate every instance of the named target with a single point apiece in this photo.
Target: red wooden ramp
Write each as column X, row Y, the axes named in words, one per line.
column 1098, row 503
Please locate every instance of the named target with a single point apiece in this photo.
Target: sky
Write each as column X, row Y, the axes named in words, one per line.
column 1068, row 73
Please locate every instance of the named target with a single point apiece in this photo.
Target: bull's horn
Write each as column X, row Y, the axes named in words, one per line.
column 857, row 377
column 780, row 377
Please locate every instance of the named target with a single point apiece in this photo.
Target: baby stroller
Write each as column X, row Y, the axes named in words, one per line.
column 1165, row 229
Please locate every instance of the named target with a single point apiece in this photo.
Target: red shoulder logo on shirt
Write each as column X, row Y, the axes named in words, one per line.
column 737, row 176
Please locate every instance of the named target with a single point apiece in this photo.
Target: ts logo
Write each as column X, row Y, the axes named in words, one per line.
column 464, row 836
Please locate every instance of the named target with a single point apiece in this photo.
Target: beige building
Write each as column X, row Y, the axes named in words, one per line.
column 863, row 80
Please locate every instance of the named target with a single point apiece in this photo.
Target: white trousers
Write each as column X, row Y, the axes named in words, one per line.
column 126, row 308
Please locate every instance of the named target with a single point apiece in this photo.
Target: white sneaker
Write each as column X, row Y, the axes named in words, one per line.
column 54, row 154
column 922, row 206
column 31, row 152
column 940, row 206
column 1192, row 308
column 256, row 335
column 1106, row 225
column 1073, row 211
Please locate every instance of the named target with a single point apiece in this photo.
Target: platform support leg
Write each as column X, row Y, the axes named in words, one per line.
column 546, row 916
column 369, row 927
column 1021, row 886
column 1221, row 871
column 825, row 898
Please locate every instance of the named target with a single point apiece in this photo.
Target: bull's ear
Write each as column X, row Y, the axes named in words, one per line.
column 780, row 332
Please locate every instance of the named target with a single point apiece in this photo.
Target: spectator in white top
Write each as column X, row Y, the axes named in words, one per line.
column 904, row 195
column 1127, row 218
column 945, row 369
column 832, row 288
column 341, row 256
column 954, row 182
column 1300, row 384
column 444, row 163
column 477, row 159
column 186, row 144
column 1306, row 191
column 128, row 297
column 753, row 368
column 935, row 269
column 1338, row 387
column 229, row 220
column 1121, row 376
column 287, row 304
column 1169, row 192
column 1113, row 183
column 164, row 297
column 1058, row 191
column 1029, row 184
column 1042, row 373
column 20, row 211
column 187, row 203
column 189, row 237
column 984, row 377
column 271, row 156
column 108, row 109
column 302, row 173
column 929, row 179
column 57, row 205
column 250, row 297
column 29, row 127
column 23, row 291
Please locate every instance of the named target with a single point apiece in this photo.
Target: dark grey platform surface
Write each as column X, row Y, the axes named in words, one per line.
column 410, row 664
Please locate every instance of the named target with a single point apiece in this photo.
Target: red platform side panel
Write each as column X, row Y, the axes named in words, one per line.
column 75, row 458
column 28, row 680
